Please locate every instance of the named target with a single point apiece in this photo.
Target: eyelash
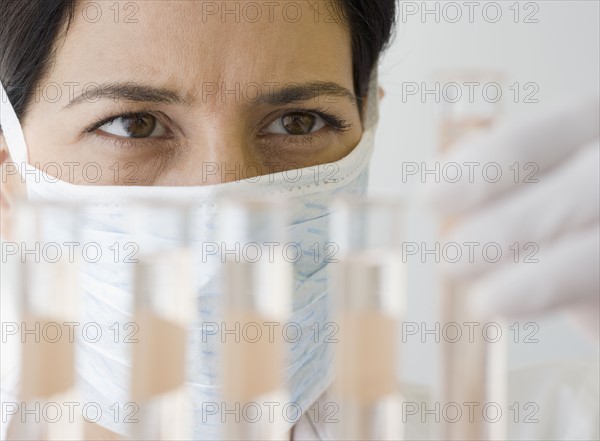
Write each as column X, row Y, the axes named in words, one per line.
column 332, row 121
column 335, row 123
column 113, row 117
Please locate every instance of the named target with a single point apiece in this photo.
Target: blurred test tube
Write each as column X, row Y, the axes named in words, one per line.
column 472, row 371
column 370, row 297
column 257, row 302
column 46, row 234
column 162, row 312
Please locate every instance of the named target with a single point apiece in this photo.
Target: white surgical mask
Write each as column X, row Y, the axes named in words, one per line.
column 106, row 287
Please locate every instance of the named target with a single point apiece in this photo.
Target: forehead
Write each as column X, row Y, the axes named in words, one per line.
column 185, row 43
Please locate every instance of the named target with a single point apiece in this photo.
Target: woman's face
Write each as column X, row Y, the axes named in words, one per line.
column 194, row 93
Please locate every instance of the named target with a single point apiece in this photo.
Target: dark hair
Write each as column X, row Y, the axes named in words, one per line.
column 371, row 24
column 29, row 29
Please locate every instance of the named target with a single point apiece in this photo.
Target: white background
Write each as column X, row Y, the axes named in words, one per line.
column 560, row 53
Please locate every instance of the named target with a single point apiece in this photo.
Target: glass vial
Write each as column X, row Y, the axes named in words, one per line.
column 163, row 309
column 256, row 305
column 370, row 296
column 472, row 371
column 46, row 234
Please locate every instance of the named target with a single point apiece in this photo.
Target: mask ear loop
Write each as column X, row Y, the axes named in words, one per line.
column 371, row 117
column 13, row 134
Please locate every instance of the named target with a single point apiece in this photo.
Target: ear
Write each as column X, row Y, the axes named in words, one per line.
column 11, row 188
column 381, row 92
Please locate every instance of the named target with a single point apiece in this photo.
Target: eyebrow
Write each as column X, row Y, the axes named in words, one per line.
column 291, row 93
column 294, row 93
column 127, row 91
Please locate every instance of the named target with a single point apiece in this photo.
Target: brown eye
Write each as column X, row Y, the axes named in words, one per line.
column 296, row 124
column 134, row 126
column 140, row 126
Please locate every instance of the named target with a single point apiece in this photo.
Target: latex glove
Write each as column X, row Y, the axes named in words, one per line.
column 557, row 217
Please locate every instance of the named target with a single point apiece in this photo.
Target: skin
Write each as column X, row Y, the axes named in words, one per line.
column 179, row 47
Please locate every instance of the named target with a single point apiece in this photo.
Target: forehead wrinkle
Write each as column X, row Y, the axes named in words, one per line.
column 187, row 58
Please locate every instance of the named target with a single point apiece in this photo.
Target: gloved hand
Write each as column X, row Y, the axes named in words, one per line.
column 543, row 213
